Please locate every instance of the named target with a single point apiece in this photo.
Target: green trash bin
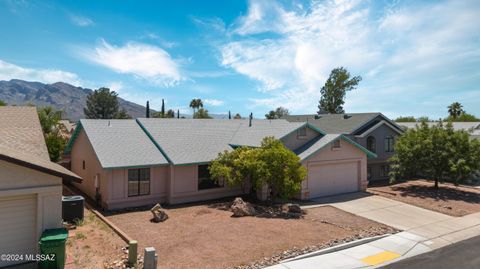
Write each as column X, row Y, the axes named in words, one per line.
column 53, row 242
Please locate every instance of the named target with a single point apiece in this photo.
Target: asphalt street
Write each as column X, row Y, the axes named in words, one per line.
column 461, row 255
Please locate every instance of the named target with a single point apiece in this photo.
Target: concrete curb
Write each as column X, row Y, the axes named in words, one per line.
column 337, row 248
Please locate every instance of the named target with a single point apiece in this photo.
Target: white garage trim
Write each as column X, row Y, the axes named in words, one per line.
column 353, row 176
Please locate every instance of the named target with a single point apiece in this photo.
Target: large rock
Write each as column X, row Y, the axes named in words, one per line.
column 291, row 208
column 158, row 214
column 241, row 208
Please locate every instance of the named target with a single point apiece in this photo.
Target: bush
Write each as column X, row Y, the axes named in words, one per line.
column 270, row 165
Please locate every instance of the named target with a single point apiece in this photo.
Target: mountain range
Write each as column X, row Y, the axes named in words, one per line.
column 63, row 96
column 68, row 98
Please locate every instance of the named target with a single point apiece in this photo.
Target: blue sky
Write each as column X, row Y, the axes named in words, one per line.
column 415, row 57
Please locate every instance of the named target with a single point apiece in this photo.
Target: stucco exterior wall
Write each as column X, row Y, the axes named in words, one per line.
column 375, row 164
column 17, row 180
column 293, row 141
column 346, row 153
column 184, row 187
column 83, row 151
column 118, row 188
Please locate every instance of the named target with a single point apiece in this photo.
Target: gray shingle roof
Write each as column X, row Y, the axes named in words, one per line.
column 186, row 141
column 121, row 143
column 335, row 123
column 316, row 144
column 20, row 130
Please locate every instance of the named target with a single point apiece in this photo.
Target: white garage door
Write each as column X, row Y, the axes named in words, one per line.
column 332, row 178
column 17, row 226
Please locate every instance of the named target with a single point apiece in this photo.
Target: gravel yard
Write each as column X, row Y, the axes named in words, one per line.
column 448, row 199
column 206, row 236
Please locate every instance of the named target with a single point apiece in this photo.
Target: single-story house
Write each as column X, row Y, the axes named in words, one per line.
column 126, row 163
column 373, row 130
column 30, row 184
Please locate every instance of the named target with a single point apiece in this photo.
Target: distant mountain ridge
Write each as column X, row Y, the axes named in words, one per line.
column 60, row 95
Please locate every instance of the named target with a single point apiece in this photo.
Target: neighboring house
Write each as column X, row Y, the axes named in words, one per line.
column 473, row 128
column 30, row 185
column 373, row 131
column 126, row 163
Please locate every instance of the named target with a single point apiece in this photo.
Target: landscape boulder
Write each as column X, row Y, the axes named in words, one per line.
column 241, row 208
column 158, row 214
column 291, row 208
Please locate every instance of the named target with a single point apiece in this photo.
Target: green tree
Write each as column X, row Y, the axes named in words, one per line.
column 196, row 103
column 271, row 165
column 2, row 103
column 406, row 119
column 237, row 116
column 50, row 123
column 464, row 117
column 122, row 114
column 278, row 113
column 201, row 114
column 334, row 91
column 103, row 104
column 147, row 110
column 423, row 119
column 170, row 114
column 455, row 110
column 163, row 108
column 437, row 153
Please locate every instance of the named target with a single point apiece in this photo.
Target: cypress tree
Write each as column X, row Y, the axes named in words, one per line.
column 147, row 112
column 163, row 108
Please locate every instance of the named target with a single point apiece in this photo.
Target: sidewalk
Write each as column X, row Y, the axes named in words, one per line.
column 424, row 230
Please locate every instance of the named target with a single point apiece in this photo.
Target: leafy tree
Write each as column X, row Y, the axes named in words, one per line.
column 196, row 104
column 277, row 113
column 122, row 114
column 201, row 114
column 272, row 165
column 2, row 103
column 423, row 119
column 103, row 104
column 464, row 117
column 455, row 110
column 334, row 91
column 170, row 114
column 406, row 119
column 237, row 116
column 436, row 152
column 50, row 123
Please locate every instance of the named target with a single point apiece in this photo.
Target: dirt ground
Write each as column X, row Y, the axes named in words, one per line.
column 93, row 243
column 448, row 199
column 206, row 236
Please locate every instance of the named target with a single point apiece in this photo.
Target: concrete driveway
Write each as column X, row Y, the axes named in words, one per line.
column 390, row 212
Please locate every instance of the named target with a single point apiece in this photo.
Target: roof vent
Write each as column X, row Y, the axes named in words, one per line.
column 346, row 116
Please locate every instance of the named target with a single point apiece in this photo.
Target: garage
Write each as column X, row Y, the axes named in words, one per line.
column 18, row 226
column 327, row 178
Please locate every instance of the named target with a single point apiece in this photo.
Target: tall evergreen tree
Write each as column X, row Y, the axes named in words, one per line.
column 178, row 113
column 103, row 104
column 163, row 108
column 147, row 112
column 229, row 115
column 334, row 91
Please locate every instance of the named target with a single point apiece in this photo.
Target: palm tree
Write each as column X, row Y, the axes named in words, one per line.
column 455, row 110
column 195, row 104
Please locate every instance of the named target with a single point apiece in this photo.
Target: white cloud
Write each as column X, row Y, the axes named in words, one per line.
column 213, row 102
column 405, row 49
column 81, row 21
column 11, row 71
column 141, row 60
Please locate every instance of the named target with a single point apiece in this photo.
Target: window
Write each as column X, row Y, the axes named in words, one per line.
column 302, row 132
column 83, row 164
column 138, row 182
column 371, row 144
column 336, row 144
column 204, row 180
column 389, row 142
column 385, row 170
